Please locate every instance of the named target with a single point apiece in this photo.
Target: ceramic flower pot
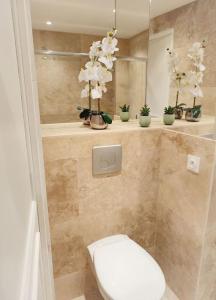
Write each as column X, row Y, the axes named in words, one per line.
column 124, row 116
column 193, row 115
column 168, row 119
column 97, row 121
column 144, row 121
column 179, row 113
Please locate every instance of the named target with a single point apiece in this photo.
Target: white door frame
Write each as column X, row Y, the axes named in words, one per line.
column 152, row 37
column 30, row 103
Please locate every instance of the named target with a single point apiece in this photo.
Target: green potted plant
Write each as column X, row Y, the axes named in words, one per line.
column 125, row 113
column 169, row 115
column 145, row 118
column 193, row 114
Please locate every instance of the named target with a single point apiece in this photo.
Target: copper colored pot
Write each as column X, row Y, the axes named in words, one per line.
column 97, row 122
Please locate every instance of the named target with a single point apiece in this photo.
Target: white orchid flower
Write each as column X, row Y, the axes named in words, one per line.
column 95, row 49
column 85, row 91
column 195, row 78
column 96, row 92
column 105, row 75
column 197, row 91
column 98, row 70
column 103, row 87
column 173, row 61
column 201, row 67
column 109, row 45
column 107, row 61
column 196, row 54
column 82, row 75
column 91, row 73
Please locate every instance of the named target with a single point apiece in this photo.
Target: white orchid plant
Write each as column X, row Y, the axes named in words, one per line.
column 195, row 77
column 98, row 71
column 178, row 77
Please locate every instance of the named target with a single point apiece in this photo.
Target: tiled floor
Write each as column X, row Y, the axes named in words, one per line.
column 169, row 295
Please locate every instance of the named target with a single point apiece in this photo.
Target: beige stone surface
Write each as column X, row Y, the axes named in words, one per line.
column 122, row 203
column 207, row 281
column 205, row 126
column 182, row 210
column 154, row 200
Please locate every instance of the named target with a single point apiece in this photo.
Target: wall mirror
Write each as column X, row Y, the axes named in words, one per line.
column 63, row 32
column 182, row 25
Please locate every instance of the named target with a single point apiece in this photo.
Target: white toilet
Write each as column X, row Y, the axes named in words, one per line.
column 125, row 271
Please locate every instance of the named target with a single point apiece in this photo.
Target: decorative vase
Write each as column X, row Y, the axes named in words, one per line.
column 124, row 116
column 144, row 121
column 193, row 115
column 97, row 121
column 179, row 113
column 168, row 119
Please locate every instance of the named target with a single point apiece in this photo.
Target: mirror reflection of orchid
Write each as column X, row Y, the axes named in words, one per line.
column 98, row 71
column 179, row 79
column 195, row 78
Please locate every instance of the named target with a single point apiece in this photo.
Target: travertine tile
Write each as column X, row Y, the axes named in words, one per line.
column 183, row 203
column 62, row 190
column 207, row 281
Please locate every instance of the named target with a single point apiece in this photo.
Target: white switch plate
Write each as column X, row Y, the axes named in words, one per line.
column 193, row 163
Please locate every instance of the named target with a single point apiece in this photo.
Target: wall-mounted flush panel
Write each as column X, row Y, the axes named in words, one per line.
column 106, row 159
column 193, row 163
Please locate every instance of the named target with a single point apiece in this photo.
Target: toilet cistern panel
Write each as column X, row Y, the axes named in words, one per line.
column 106, row 159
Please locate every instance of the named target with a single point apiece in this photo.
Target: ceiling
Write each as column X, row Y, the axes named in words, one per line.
column 97, row 16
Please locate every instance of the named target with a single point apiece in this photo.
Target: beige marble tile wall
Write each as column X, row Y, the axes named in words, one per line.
column 191, row 23
column 154, row 200
column 182, row 212
column 207, row 281
column 59, row 89
column 83, row 208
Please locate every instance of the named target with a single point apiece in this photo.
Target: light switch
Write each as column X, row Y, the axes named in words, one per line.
column 106, row 159
column 193, row 163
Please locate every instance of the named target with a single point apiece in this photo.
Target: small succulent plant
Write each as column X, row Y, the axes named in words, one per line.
column 169, row 110
column 145, row 110
column 125, row 108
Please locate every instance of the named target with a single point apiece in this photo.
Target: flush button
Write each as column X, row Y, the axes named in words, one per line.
column 106, row 159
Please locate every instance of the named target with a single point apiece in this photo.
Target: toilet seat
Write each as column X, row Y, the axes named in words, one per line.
column 125, row 271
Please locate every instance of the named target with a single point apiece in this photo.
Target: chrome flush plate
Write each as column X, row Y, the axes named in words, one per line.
column 106, row 159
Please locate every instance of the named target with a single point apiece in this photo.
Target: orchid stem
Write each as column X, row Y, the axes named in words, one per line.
column 89, row 99
column 194, row 102
column 177, row 97
column 99, row 108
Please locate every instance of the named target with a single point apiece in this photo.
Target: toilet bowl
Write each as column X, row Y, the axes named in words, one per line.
column 125, row 271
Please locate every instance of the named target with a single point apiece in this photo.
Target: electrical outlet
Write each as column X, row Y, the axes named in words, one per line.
column 193, row 163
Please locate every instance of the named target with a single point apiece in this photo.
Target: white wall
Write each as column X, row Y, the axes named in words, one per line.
column 15, row 188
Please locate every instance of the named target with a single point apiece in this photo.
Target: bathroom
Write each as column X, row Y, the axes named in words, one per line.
column 116, row 197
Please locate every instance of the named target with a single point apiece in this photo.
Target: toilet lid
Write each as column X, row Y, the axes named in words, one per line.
column 125, row 271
